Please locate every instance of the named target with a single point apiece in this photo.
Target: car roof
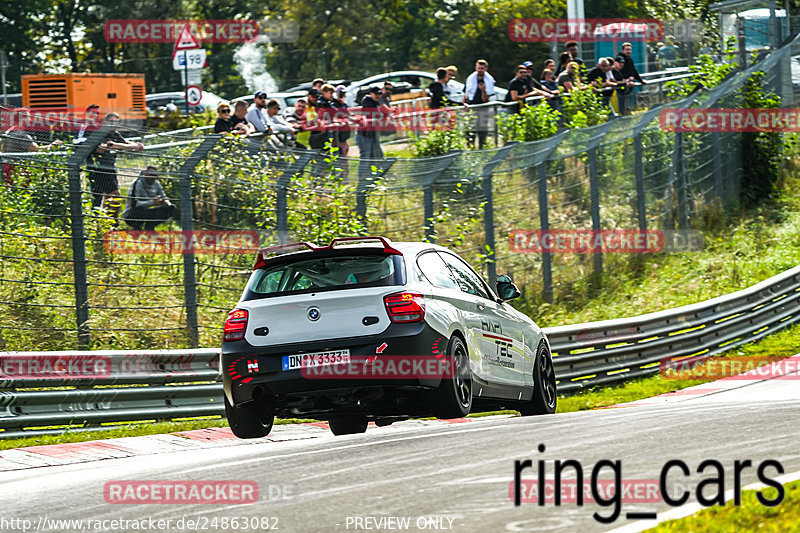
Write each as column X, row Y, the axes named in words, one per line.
column 378, row 77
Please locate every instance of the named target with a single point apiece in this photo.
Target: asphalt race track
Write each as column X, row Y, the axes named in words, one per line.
column 440, row 476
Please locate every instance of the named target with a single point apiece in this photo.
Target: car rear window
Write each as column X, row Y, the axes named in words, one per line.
column 329, row 273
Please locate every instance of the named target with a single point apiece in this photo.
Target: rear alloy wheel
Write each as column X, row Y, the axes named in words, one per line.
column 544, row 398
column 250, row 420
column 454, row 395
column 348, row 426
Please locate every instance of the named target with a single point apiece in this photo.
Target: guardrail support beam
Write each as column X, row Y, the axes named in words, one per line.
column 187, row 226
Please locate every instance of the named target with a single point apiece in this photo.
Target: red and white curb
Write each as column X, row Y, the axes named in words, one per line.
column 97, row 450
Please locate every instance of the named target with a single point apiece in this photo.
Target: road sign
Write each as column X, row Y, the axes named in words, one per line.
column 186, row 40
column 191, row 77
column 193, row 95
column 190, row 59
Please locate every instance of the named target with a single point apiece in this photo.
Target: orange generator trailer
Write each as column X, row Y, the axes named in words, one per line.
column 121, row 93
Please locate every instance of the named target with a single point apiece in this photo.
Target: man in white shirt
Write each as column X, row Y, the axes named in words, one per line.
column 282, row 132
column 479, row 89
column 257, row 114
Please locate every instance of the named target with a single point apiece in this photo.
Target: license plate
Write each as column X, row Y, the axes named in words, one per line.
column 316, row 359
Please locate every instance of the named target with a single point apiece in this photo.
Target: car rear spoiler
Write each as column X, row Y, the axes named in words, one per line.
column 297, row 247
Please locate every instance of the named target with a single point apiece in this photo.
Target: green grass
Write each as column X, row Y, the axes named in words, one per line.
column 750, row 516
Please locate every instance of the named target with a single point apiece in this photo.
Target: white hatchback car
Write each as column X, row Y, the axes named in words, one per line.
column 315, row 323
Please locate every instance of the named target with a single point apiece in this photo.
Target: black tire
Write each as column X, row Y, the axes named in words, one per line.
column 249, row 421
column 348, row 426
column 454, row 396
column 545, row 397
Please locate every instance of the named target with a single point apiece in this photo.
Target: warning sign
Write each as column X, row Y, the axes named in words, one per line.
column 186, row 41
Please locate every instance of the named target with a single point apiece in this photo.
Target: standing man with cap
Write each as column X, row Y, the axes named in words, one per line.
column 367, row 139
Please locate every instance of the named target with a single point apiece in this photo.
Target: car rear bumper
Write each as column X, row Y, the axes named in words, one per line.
column 248, row 371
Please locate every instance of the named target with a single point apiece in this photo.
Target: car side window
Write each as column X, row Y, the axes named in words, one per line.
column 437, row 272
column 467, row 280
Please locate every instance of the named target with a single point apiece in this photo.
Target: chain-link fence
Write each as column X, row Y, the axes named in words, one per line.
column 64, row 284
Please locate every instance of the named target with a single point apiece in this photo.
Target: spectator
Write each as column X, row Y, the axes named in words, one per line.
column 317, row 83
column 569, row 79
column 16, row 140
column 548, row 80
column 147, row 204
column 339, row 102
column 598, row 78
column 563, row 61
column 92, row 119
column 628, row 68
column 224, row 124
column 317, row 137
column 550, row 65
column 238, row 121
column 534, row 83
column 328, row 116
column 256, row 115
column 521, row 88
column 667, row 54
column 386, row 95
column 282, row 131
column 102, row 165
column 623, row 86
column 479, row 88
column 369, row 145
column 297, row 115
column 572, row 48
column 439, row 91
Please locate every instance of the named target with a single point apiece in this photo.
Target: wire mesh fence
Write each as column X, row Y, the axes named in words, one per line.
column 71, row 274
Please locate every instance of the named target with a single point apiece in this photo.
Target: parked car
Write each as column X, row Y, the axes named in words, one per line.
column 160, row 101
column 310, row 309
column 408, row 84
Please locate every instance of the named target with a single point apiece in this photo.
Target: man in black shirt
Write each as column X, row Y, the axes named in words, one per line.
column 628, row 68
column 102, row 165
column 440, row 92
column 369, row 145
column 572, row 48
column 521, row 87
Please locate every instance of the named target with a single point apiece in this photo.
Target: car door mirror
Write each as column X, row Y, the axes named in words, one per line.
column 506, row 290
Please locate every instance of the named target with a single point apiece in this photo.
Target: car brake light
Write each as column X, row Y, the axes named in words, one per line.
column 236, row 325
column 405, row 306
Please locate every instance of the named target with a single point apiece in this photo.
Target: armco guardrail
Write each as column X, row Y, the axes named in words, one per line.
column 184, row 383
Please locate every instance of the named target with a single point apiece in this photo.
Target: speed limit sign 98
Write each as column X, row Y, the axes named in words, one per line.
column 193, row 95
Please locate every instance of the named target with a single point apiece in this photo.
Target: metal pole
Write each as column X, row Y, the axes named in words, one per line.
column 78, row 234
column 544, row 222
column 594, row 192
column 281, row 201
column 364, row 182
column 437, row 168
column 187, row 226
column 680, row 175
column 638, row 168
column 488, row 210
column 3, row 67
column 717, row 162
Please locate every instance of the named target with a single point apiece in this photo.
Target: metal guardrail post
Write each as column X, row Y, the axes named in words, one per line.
column 544, row 222
column 594, row 192
column 281, row 202
column 679, row 157
column 187, row 226
column 638, row 170
column 429, row 180
column 78, row 234
column 488, row 210
column 716, row 155
column 364, row 182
